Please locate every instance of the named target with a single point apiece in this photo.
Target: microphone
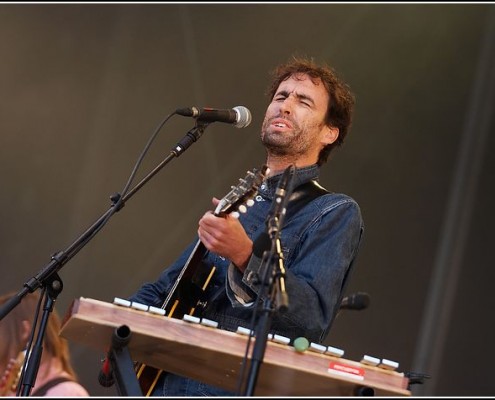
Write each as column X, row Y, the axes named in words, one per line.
column 240, row 116
column 355, row 301
column 280, row 201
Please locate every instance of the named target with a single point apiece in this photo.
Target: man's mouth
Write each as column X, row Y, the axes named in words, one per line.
column 281, row 123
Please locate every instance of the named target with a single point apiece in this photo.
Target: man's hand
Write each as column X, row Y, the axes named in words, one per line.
column 226, row 237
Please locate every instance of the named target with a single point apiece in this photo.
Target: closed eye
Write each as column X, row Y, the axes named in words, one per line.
column 303, row 99
column 306, row 100
column 280, row 96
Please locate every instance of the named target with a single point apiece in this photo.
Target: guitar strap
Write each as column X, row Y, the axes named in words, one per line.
column 302, row 195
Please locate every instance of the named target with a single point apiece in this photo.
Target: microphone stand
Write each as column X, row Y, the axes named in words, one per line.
column 274, row 294
column 48, row 277
column 33, row 359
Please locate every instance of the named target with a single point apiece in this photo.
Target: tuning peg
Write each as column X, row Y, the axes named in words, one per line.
column 242, row 209
column 250, row 202
column 235, row 214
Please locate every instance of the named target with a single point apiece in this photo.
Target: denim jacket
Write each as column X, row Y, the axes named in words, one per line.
column 319, row 245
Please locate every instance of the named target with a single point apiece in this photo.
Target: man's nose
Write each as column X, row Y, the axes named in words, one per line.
column 286, row 106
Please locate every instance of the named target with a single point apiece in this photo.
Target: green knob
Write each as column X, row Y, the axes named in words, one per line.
column 301, row 344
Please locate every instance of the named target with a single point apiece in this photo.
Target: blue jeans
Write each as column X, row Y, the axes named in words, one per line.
column 174, row 385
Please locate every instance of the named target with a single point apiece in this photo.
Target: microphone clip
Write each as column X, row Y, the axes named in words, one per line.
column 191, row 136
column 282, row 193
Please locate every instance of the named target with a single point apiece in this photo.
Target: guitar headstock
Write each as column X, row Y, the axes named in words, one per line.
column 242, row 194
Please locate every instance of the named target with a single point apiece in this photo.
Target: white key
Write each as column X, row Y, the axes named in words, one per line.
column 281, row 339
column 190, row 318
column 209, row 322
column 243, row 331
column 333, row 351
column 121, row 302
column 157, row 311
column 388, row 364
column 370, row 360
column 139, row 306
column 318, row 348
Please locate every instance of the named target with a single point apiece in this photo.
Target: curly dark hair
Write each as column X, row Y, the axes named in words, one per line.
column 341, row 99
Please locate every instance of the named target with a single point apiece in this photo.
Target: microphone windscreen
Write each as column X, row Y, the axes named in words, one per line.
column 243, row 116
column 362, row 300
column 105, row 376
column 105, row 380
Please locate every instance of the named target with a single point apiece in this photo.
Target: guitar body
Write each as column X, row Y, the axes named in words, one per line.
column 148, row 377
column 188, row 295
column 10, row 378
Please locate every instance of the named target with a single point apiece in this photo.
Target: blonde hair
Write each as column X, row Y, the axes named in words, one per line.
column 11, row 332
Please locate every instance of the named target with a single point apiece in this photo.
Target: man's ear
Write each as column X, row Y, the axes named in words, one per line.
column 330, row 135
column 25, row 330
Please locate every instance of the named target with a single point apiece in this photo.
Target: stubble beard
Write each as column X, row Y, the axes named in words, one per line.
column 283, row 144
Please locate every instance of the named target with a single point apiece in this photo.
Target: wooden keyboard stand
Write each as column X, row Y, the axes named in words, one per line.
column 215, row 356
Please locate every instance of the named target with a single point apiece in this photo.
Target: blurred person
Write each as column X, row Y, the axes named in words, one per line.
column 56, row 376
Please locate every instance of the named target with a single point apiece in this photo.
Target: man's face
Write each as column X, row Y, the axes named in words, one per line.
column 294, row 123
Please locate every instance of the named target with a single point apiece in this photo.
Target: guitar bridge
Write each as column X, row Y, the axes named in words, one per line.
column 202, row 304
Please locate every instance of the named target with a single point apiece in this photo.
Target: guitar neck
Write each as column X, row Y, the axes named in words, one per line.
column 187, row 293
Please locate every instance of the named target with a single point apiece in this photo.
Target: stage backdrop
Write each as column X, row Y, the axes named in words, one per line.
column 83, row 88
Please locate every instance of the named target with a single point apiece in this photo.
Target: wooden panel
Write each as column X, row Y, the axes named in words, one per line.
column 215, row 356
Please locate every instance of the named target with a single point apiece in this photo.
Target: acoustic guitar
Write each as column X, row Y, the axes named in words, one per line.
column 187, row 296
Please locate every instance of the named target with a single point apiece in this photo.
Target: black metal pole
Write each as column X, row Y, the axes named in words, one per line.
column 33, row 359
column 59, row 259
column 122, row 364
